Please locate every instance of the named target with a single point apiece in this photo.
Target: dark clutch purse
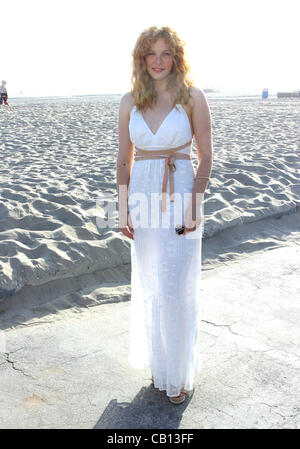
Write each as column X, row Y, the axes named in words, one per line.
column 180, row 230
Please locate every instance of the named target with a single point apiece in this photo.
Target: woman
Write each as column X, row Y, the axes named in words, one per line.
column 158, row 188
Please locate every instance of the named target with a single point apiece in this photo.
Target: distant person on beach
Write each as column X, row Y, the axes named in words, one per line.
column 3, row 95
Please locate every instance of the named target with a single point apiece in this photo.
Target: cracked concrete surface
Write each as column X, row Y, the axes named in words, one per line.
column 7, row 354
column 73, row 372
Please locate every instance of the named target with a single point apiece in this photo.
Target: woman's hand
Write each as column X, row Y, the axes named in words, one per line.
column 128, row 229
column 193, row 215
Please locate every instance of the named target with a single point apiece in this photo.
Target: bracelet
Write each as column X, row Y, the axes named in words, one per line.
column 197, row 177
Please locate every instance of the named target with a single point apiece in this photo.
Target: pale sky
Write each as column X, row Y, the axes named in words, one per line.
column 63, row 47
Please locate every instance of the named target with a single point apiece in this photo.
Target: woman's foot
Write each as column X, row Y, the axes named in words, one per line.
column 183, row 395
column 178, row 399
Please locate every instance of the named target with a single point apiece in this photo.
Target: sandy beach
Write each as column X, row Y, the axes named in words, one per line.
column 61, row 274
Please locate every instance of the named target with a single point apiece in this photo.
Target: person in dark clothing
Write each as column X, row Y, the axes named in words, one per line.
column 3, row 95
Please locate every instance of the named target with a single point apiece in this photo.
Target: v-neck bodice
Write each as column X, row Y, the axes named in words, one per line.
column 154, row 134
column 175, row 130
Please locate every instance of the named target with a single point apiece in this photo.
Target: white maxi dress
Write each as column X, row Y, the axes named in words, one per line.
column 165, row 267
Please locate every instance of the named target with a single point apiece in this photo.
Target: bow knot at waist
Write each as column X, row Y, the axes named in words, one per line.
column 171, row 163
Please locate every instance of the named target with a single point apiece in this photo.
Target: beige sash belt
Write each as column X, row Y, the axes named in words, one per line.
column 169, row 156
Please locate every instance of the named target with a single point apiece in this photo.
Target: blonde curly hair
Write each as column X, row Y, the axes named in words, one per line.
column 179, row 81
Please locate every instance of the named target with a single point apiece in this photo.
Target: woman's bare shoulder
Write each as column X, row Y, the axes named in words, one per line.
column 128, row 97
column 126, row 104
column 197, row 96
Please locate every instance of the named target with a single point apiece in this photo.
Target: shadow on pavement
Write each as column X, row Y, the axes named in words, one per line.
column 150, row 409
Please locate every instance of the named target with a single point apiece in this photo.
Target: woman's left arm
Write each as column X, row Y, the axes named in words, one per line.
column 201, row 120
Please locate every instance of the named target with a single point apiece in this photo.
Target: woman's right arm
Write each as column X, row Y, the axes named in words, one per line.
column 124, row 164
